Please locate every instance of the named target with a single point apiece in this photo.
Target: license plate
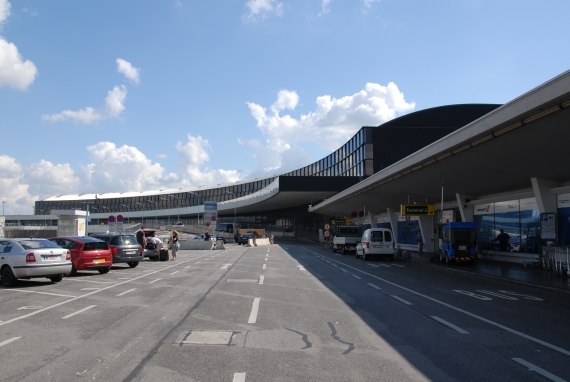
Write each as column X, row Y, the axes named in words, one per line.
column 129, row 252
column 463, row 248
column 51, row 258
column 99, row 260
column 376, row 246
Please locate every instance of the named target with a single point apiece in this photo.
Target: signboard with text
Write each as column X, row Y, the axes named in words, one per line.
column 548, row 226
column 341, row 221
column 418, row 209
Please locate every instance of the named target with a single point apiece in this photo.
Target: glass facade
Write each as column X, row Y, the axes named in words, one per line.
column 518, row 219
column 563, row 219
column 354, row 158
column 409, row 231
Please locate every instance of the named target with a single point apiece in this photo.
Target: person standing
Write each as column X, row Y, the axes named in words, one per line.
column 174, row 244
column 503, row 239
column 157, row 244
column 141, row 239
column 207, row 236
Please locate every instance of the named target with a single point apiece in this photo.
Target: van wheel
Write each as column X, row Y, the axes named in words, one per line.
column 133, row 264
column 343, row 252
column 334, row 249
column 364, row 256
column 56, row 279
column 391, row 258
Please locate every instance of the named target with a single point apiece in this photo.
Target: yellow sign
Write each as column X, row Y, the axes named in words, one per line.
column 418, row 209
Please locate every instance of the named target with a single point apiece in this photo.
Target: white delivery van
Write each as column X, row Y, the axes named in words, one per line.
column 376, row 242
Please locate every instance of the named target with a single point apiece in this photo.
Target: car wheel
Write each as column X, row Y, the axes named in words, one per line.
column 56, row 279
column 73, row 271
column 104, row 270
column 8, row 278
column 133, row 264
column 343, row 252
column 334, row 249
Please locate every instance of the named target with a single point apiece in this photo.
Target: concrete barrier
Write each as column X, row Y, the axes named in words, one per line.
column 264, row 241
column 219, row 245
column 195, row 244
column 250, row 243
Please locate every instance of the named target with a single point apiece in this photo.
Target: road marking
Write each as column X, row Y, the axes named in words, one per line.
column 174, row 272
column 493, row 323
column 385, row 265
column 532, row 367
column 254, row 310
column 124, row 278
column 27, row 291
column 17, row 338
column 187, row 267
column 344, row 270
column 198, row 262
column 266, row 259
column 261, row 278
column 79, row 311
column 239, row 377
column 301, row 268
column 90, row 288
column 226, row 266
column 374, row 286
column 264, row 266
column 153, row 281
column 498, row 295
column 125, row 292
column 334, row 265
column 401, row 300
column 29, row 307
column 91, row 281
column 450, row 325
column 356, row 277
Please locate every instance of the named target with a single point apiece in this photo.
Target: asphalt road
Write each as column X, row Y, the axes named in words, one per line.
column 289, row 312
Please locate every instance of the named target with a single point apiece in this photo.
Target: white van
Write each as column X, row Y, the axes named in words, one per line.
column 376, row 242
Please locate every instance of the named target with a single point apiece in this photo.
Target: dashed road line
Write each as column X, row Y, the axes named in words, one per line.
column 454, row 327
column 254, row 311
column 28, row 291
column 153, row 281
column 374, row 286
column 125, row 292
column 79, row 311
column 537, row 369
column 261, row 278
column 12, row 340
column 239, row 377
column 356, row 277
column 401, row 300
column 174, row 272
column 264, row 266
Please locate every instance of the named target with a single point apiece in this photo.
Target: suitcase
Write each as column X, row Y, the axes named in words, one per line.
column 164, row 255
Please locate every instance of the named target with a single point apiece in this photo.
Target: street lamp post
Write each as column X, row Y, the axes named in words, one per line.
column 177, row 210
column 87, row 204
column 229, row 192
column 3, row 202
column 198, row 222
column 97, row 209
column 155, row 212
column 141, row 214
column 168, row 200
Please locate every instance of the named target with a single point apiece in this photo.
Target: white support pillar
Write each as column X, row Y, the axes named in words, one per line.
column 393, row 215
column 545, row 201
column 465, row 209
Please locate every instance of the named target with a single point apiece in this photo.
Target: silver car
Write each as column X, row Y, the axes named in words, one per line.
column 27, row 258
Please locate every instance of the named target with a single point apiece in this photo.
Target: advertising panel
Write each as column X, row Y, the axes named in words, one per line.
column 211, row 214
column 506, row 207
column 528, row 204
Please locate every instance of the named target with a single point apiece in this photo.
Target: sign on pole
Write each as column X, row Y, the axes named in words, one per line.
column 341, row 221
column 211, row 214
column 548, row 226
column 418, row 209
column 327, row 226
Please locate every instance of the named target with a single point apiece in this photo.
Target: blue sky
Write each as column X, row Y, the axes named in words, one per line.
column 102, row 96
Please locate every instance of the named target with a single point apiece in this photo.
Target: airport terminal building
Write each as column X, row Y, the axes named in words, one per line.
column 499, row 166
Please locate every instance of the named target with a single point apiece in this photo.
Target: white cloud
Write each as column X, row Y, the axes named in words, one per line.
column 13, row 189
column 192, row 157
column 46, row 178
column 324, row 7
column 332, row 123
column 4, row 10
column 128, row 70
column 262, row 9
column 14, row 71
column 114, row 106
column 368, row 3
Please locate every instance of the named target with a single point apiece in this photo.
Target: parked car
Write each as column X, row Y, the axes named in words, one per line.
column 199, row 237
column 86, row 253
column 178, row 224
column 27, row 258
column 244, row 238
column 376, row 242
column 151, row 251
column 124, row 247
column 220, row 236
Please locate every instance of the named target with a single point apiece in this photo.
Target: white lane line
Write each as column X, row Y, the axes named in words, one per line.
column 344, row 270
column 254, row 310
column 27, row 291
column 124, row 278
column 261, row 278
column 91, row 281
column 374, row 286
column 79, row 311
column 187, row 267
column 401, row 300
column 174, row 272
column 385, row 265
column 125, row 292
column 226, row 266
column 264, row 266
column 239, row 377
column 356, row 277
column 90, row 289
column 29, row 307
column 450, row 325
column 266, row 259
column 153, row 281
column 540, row 371
column 198, row 262
column 17, row 338
column 493, row 323
column 301, row 268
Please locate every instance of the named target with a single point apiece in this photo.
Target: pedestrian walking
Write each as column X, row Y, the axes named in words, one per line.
column 175, row 245
column 141, row 239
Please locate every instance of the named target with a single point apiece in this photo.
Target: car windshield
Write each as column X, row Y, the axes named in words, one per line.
column 96, row 245
column 37, row 244
column 104, row 238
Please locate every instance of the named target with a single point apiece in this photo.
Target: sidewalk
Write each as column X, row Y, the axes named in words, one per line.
column 515, row 273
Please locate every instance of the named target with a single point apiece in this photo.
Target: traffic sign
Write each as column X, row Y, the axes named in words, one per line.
column 111, row 219
column 418, row 209
column 327, row 233
column 341, row 221
column 119, row 218
column 327, row 226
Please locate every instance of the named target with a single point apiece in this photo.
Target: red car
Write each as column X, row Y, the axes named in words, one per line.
column 86, row 253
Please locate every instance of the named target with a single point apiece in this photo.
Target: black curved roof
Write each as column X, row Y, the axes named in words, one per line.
column 443, row 116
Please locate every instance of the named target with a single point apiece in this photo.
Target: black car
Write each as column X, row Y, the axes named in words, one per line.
column 124, row 247
column 244, row 238
column 220, row 236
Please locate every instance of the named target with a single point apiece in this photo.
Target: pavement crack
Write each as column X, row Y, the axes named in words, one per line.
column 334, row 335
column 304, row 337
